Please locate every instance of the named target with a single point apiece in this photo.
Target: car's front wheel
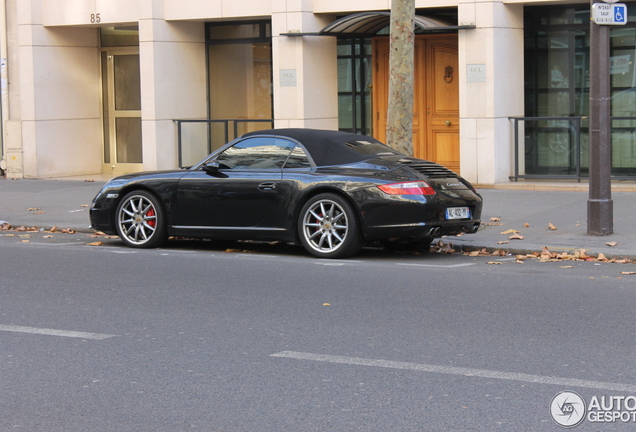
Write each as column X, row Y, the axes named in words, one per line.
column 329, row 228
column 140, row 220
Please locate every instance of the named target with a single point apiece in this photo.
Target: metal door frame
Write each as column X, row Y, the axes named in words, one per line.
column 113, row 166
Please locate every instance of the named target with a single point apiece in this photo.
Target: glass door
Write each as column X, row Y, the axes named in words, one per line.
column 121, row 102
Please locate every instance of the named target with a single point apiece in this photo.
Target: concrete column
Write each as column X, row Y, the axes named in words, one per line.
column 173, row 81
column 53, row 127
column 305, row 70
column 491, row 89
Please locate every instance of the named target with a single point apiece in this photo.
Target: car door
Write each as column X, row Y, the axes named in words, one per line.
column 241, row 193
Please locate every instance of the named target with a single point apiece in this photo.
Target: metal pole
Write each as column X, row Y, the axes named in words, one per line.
column 600, row 212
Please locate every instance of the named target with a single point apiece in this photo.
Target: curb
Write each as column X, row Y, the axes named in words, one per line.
column 525, row 251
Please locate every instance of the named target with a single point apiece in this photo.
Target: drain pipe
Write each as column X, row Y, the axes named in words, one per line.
column 4, row 83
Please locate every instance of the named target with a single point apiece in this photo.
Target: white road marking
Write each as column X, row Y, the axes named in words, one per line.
column 322, row 261
column 436, row 265
column 53, row 332
column 450, row 370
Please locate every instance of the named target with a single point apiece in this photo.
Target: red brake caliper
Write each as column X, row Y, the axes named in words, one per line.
column 152, row 222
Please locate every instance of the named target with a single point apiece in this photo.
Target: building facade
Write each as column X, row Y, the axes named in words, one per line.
column 113, row 86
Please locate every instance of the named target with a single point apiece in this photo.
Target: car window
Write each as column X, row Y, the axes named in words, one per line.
column 370, row 148
column 297, row 159
column 256, row 153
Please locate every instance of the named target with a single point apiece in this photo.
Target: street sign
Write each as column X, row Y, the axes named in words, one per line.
column 609, row 14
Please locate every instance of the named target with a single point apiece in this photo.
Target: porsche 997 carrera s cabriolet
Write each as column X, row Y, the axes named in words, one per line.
column 330, row 191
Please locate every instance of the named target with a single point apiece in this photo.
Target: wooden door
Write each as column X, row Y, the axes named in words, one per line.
column 436, row 102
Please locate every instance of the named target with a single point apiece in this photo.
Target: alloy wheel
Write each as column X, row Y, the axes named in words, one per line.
column 137, row 219
column 325, row 226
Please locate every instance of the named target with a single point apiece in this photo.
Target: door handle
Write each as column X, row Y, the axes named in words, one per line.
column 447, row 123
column 269, row 186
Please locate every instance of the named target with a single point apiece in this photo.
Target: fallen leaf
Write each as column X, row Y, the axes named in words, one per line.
column 566, row 266
column 34, row 209
column 546, row 254
column 326, row 304
column 95, row 244
column 510, row 231
column 53, row 228
column 516, row 237
column 68, row 231
column 601, row 257
column 25, row 241
column 519, row 261
column 494, row 262
column 495, row 219
column 612, row 244
column 551, row 227
column 628, row 273
column 473, row 253
column 48, row 236
column 232, row 250
column 526, row 225
column 580, row 254
column 84, row 205
column 40, row 212
column 521, row 257
column 503, row 242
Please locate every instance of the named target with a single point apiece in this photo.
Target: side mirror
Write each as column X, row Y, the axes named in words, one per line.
column 211, row 167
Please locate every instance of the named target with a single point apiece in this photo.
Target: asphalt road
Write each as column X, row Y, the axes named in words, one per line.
column 242, row 337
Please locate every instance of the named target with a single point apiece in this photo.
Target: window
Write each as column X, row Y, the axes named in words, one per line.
column 557, row 77
column 239, row 79
column 354, row 85
column 258, row 153
column 297, row 159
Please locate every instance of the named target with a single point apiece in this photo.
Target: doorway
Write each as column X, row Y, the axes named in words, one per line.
column 121, row 105
column 436, row 103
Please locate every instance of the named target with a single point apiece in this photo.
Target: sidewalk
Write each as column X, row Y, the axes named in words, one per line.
column 64, row 203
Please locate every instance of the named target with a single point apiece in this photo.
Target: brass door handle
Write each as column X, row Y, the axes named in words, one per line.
column 447, row 123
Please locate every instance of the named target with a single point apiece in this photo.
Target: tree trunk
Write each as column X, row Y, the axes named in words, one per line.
column 399, row 127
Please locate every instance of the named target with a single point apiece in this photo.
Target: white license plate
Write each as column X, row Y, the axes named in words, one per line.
column 458, row 213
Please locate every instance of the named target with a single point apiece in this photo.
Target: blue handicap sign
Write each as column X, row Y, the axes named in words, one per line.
column 620, row 14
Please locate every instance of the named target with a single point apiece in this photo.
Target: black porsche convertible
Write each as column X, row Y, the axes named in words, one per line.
column 329, row 191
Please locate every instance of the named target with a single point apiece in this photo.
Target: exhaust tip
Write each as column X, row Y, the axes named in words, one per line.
column 435, row 231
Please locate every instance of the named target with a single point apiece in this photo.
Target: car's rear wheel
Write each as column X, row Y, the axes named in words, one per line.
column 140, row 220
column 329, row 228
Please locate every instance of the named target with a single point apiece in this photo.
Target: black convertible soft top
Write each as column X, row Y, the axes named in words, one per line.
column 328, row 147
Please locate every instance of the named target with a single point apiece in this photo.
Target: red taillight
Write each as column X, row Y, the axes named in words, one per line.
column 408, row 188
